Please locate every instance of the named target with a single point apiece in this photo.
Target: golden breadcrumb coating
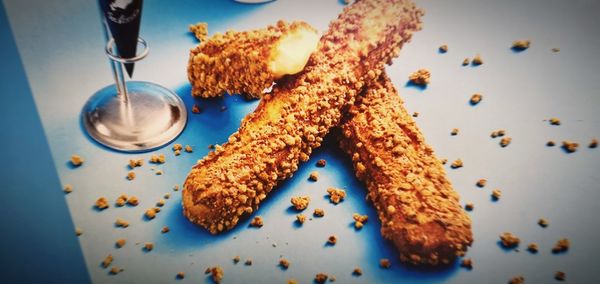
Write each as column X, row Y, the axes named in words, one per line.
column 239, row 62
column 230, row 182
column 418, row 208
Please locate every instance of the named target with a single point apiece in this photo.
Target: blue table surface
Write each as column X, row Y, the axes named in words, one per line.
column 60, row 45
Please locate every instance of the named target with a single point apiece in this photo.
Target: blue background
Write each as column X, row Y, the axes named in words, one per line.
column 60, row 46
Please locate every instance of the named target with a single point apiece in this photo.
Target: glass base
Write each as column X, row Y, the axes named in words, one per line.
column 151, row 117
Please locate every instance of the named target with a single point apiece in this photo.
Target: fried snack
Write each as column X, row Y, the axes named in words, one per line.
column 290, row 122
column 417, row 206
column 248, row 62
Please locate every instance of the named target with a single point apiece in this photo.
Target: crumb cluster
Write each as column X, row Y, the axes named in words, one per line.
column 336, row 195
column 420, row 77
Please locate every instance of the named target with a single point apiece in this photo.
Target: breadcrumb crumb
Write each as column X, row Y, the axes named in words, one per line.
column 133, row 201
column 415, row 114
column 101, row 203
column 467, row 263
column 443, row 48
column 521, row 44
column 121, row 223
column 321, row 277
column 160, row 203
column 570, row 146
column 115, row 270
column 200, row 30
column 359, row 220
column 135, row 163
column 517, row 280
column 292, row 281
column 385, row 263
column 477, row 60
column 150, row 213
column 357, row 271
column 76, row 160
column 284, row 263
column 257, row 222
column 532, row 248
column 508, row 240
column 148, row 246
column 180, row 275
column 555, row 49
column 319, row 212
column 236, row 259
column 321, row 163
column 300, row 218
column 196, row 109
column 561, row 245
column 593, row 143
column 120, row 243
column 188, row 149
column 457, row 164
column 68, row 188
column 332, row 240
column 466, row 62
column 300, row 202
column 543, row 222
column 78, row 231
column 314, row 176
column 554, row 121
column 454, row 131
column 248, row 262
column 560, row 276
column 496, row 193
column 158, row 159
column 475, row 99
column 336, row 195
column 469, row 206
column 131, row 175
column 550, row 143
column 481, row 183
column 165, row 230
column 217, row 274
column 505, row 141
column 107, row 261
column 121, row 200
column 420, row 77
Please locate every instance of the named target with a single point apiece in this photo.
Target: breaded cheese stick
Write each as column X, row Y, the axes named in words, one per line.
column 248, row 62
column 417, row 206
column 230, row 182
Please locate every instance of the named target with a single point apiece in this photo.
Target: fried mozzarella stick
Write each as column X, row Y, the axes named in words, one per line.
column 230, row 182
column 417, row 206
column 248, row 62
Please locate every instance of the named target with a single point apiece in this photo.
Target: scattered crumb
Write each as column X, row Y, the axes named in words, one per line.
column 300, row 218
column 532, row 248
column 115, row 270
column 420, row 77
column 69, row 188
column 593, row 143
column 444, row 161
column 332, row 240
column 188, row 149
column 560, row 276
column 236, row 259
column 131, row 175
column 555, row 49
column 121, row 223
column 160, row 203
column 165, row 230
column 121, row 200
column 284, row 263
column 176, row 187
column 465, row 62
column 467, row 263
column 120, row 243
column 321, row 163
column 415, row 114
column 454, row 131
column 469, row 206
column 543, row 222
column 200, row 30
column 505, row 141
column 78, row 231
column 314, row 176
column 159, row 172
column 496, row 193
column 477, row 60
column 300, row 202
column 385, row 263
column 443, row 48
column 157, row 159
column 294, row 281
column 177, row 147
column 76, row 160
column 150, row 213
column 332, row 278
column 554, row 121
column 481, row 182
column 148, row 246
column 357, row 271
column 509, row 240
column 457, row 164
column 177, row 152
column 321, row 277
column 101, row 203
column 521, row 44
column 133, row 201
column 180, row 275
column 517, row 280
column 217, row 274
column 257, row 222
column 196, row 109
column 561, row 245
column 167, row 195
column 336, row 195
column 107, row 261
column 570, row 146
column 135, row 163
column 248, row 261
column 475, row 99
column 319, row 212
column 359, row 220
column 550, row 143
column 157, row 209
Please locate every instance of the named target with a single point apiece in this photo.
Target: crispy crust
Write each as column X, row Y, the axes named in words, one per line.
column 230, row 182
column 417, row 206
column 236, row 62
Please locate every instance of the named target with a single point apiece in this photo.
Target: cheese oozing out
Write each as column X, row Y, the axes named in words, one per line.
column 290, row 53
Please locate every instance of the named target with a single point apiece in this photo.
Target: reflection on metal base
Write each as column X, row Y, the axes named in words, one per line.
column 151, row 116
